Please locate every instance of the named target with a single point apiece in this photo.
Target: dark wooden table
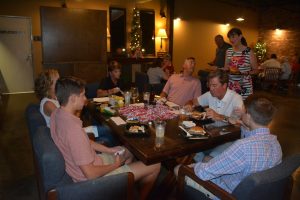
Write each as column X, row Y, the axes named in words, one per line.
column 174, row 144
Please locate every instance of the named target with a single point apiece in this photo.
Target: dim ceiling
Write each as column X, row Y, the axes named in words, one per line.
column 260, row 5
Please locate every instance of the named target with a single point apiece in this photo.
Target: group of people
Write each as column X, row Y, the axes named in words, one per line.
column 61, row 102
column 230, row 94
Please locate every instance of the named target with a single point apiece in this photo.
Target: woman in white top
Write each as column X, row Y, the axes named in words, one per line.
column 45, row 90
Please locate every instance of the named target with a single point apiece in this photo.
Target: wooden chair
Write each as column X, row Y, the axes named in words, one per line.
column 275, row 183
column 271, row 77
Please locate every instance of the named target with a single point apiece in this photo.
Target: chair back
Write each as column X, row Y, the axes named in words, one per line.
column 48, row 161
column 141, row 81
column 272, row 74
column 91, row 90
column 34, row 119
column 274, row 183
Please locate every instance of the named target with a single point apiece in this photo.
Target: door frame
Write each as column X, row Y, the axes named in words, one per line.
column 31, row 48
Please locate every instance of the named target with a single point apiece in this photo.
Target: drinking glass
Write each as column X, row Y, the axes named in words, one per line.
column 146, row 97
column 127, row 96
column 235, row 115
column 134, row 94
column 160, row 127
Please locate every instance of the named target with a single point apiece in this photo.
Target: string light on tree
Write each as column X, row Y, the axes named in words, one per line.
column 260, row 50
column 136, row 32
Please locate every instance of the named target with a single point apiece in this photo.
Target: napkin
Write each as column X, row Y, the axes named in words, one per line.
column 118, row 120
column 92, row 129
column 101, row 99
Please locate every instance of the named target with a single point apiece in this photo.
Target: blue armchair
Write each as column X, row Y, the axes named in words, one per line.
column 274, row 183
column 55, row 183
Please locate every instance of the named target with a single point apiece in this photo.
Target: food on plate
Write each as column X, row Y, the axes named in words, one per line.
column 136, row 129
column 198, row 115
column 188, row 124
column 197, row 130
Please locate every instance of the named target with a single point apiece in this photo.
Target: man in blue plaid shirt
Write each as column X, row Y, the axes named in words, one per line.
column 257, row 150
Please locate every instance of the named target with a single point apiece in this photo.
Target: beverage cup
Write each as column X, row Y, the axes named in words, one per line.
column 112, row 101
column 146, row 97
column 159, row 141
column 127, row 96
column 234, row 117
column 160, row 127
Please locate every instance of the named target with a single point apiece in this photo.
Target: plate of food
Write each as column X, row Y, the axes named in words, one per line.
column 136, row 130
column 200, row 118
column 196, row 132
column 198, row 115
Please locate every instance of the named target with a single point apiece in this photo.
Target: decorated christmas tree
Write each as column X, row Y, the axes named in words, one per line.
column 260, row 50
column 136, row 33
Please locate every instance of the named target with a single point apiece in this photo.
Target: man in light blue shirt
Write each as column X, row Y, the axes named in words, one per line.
column 257, row 151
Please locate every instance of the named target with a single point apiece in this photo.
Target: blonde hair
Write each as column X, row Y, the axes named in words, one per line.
column 43, row 82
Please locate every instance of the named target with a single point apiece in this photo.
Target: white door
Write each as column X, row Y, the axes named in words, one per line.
column 16, row 69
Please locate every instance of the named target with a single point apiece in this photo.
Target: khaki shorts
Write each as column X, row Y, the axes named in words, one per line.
column 110, row 159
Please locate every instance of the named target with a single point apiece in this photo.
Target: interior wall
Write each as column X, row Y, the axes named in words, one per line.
column 280, row 30
column 201, row 22
column 30, row 8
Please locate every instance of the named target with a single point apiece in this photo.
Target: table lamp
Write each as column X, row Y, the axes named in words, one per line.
column 162, row 34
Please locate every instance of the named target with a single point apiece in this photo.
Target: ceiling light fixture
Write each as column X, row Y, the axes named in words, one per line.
column 240, row 19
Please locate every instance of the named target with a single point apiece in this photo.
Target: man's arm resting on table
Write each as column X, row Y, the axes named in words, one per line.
column 91, row 171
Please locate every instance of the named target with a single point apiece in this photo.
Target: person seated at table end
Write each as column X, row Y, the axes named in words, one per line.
column 112, row 84
column 224, row 106
column 82, row 162
column 257, row 151
column 181, row 88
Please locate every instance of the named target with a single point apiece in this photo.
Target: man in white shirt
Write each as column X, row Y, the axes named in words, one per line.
column 223, row 106
column 272, row 62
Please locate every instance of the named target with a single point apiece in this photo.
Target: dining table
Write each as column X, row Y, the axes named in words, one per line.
column 172, row 149
column 150, row 149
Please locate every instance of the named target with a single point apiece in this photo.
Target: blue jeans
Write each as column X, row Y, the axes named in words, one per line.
column 106, row 136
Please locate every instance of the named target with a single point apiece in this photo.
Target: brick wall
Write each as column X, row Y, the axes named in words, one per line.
column 283, row 42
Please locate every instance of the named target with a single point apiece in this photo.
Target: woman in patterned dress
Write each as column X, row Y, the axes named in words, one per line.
column 241, row 63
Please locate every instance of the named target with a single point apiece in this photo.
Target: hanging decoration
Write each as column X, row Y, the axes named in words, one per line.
column 260, row 50
column 136, row 32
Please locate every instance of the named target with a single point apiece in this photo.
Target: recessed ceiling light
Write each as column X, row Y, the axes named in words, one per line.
column 240, row 19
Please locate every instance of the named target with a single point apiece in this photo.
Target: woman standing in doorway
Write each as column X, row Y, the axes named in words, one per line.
column 241, row 63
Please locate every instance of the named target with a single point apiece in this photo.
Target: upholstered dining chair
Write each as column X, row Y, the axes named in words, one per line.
column 274, row 183
column 53, row 181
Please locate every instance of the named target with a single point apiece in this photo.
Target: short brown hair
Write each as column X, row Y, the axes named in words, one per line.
column 112, row 65
column 43, row 83
column 67, row 86
column 222, row 75
column 260, row 108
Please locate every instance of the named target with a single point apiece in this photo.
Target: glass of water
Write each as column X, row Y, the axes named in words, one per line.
column 160, row 127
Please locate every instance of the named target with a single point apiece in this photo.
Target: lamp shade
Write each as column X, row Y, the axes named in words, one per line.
column 162, row 33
